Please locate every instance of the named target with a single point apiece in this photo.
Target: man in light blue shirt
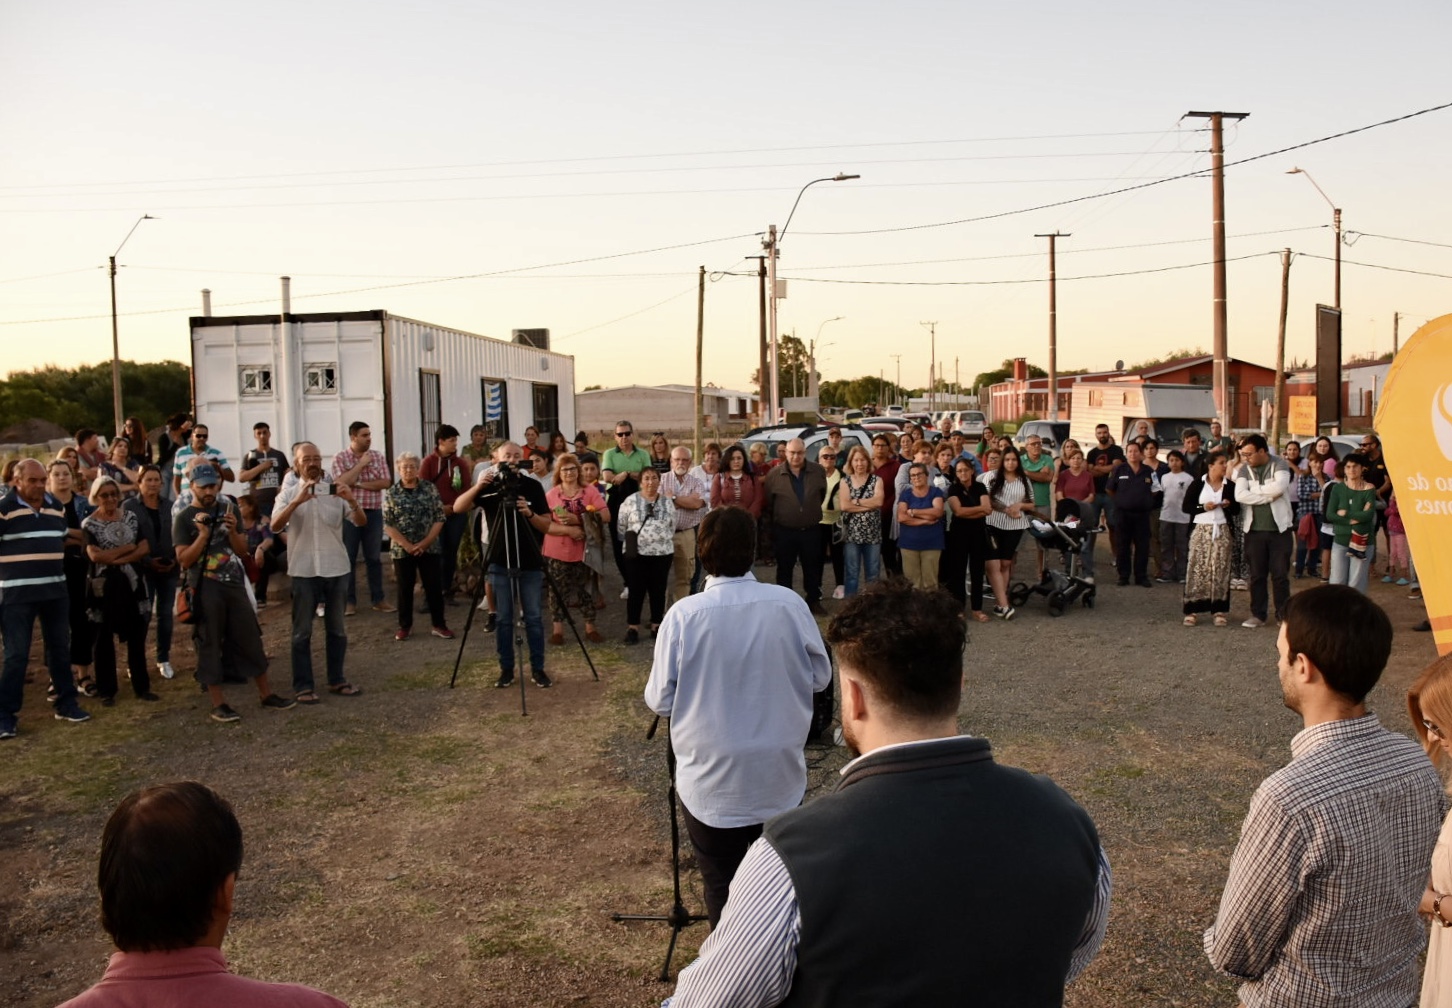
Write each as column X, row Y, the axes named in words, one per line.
column 735, row 669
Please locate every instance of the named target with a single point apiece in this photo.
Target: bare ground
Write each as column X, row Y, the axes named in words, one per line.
column 421, row 845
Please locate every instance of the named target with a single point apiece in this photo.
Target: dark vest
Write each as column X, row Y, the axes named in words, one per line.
column 934, row 876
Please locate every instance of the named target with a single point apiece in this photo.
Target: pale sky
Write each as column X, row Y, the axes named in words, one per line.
column 361, row 145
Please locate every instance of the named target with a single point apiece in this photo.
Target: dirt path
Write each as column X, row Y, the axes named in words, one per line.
column 419, row 845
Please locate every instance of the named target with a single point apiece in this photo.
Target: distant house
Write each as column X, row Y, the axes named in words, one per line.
column 669, row 408
column 1361, row 385
column 1249, row 384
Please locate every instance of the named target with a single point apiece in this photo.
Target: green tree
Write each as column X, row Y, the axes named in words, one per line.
column 81, row 397
column 853, row 392
column 792, row 369
column 1004, row 372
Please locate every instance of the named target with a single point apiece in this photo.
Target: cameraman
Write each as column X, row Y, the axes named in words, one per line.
column 508, row 495
column 209, row 542
column 318, row 565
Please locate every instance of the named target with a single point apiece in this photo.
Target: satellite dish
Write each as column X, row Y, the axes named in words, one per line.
column 1119, row 365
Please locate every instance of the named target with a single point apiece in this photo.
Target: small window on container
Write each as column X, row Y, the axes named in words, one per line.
column 320, row 379
column 254, row 381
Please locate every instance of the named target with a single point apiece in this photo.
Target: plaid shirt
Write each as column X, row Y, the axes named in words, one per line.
column 377, row 469
column 689, row 485
column 1309, row 490
column 1320, row 907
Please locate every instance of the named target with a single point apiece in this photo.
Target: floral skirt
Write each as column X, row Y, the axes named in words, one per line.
column 573, row 581
column 1207, row 575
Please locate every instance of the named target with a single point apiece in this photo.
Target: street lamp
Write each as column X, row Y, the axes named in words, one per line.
column 1336, row 223
column 772, row 243
column 812, row 357
column 115, row 338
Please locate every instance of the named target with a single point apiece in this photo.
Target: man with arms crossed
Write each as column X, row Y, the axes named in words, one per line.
column 1320, row 907
column 932, row 875
column 170, row 855
column 735, row 669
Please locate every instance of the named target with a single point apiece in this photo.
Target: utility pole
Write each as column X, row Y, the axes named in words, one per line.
column 1396, row 324
column 1217, row 213
column 761, row 379
column 1275, row 431
column 1053, row 324
column 957, row 388
column 897, row 389
column 700, row 337
column 932, row 363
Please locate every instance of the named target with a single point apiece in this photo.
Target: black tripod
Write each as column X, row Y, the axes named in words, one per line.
column 679, row 918
column 513, row 544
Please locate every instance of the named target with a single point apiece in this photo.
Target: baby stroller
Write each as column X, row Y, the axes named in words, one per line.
column 1062, row 586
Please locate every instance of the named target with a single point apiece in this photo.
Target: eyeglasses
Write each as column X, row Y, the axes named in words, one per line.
column 827, row 455
column 564, row 469
column 1432, row 729
column 624, row 433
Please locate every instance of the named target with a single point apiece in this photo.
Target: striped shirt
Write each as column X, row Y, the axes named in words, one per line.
column 32, row 550
column 1320, row 907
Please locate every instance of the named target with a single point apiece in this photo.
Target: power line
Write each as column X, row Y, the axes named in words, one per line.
column 1142, row 185
column 1389, row 269
column 1412, row 241
column 603, row 157
column 1032, row 280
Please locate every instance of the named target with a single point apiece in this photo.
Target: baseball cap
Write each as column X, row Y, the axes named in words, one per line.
column 205, row 475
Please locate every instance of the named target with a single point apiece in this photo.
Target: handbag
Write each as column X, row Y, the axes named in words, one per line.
column 185, row 610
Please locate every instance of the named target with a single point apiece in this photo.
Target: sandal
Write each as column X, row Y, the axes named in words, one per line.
column 981, row 617
column 307, row 697
column 345, row 689
column 1221, row 619
column 87, row 685
column 1189, row 621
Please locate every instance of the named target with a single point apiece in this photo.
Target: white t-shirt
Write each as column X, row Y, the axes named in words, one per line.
column 1174, row 485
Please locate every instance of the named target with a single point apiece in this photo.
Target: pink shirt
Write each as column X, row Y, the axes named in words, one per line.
column 185, row 978
column 568, row 548
column 376, row 469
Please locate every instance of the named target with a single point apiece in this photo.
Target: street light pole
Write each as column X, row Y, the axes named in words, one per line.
column 115, row 334
column 1336, row 225
column 812, row 358
column 772, row 244
column 932, row 328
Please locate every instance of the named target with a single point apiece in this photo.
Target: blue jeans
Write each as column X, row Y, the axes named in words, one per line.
column 531, row 586
column 17, row 622
column 1348, row 570
column 861, row 560
column 163, row 607
column 370, row 536
column 306, row 594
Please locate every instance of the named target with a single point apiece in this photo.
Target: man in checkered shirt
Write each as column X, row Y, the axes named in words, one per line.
column 1320, row 907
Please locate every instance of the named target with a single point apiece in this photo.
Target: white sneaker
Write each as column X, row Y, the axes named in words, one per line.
column 319, row 611
column 1253, row 623
column 840, row 592
column 167, row 672
column 625, row 593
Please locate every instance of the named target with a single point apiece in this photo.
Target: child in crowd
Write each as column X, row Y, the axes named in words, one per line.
column 1396, row 533
column 1174, row 521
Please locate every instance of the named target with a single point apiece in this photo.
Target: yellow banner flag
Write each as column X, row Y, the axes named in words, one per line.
column 1415, row 425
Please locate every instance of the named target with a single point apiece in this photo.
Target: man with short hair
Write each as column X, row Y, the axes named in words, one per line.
column 450, row 474
column 692, row 498
column 1196, row 458
column 620, row 466
column 1038, row 466
column 932, row 875
column 1320, row 905
column 207, row 534
column 366, row 471
column 315, row 511
column 1263, row 491
column 33, row 536
column 477, row 450
column 198, row 445
column 263, row 469
column 832, row 552
column 90, row 455
column 795, row 492
column 512, row 552
column 1218, row 439
column 735, row 669
column 1133, row 488
column 170, row 856
column 1102, row 459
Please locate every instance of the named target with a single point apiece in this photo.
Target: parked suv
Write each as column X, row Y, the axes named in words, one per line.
column 814, row 436
column 971, row 422
column 1053, row 433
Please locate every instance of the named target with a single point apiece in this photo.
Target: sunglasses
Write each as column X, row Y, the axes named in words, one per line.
column 624, row 433
column 199, row 437
column 827, row 455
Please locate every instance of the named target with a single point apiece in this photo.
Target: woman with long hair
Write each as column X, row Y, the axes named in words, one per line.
column 1351, row 512
column 116, row 592
column 965, row 550
column 558, row 445
column 153, row 516
column 572, row 503
column 134, row 431
column 263, row 546
column 647, row 524
column 413, row 520
column 859, row 498
column 117, row 465
column 1430, row 703
column 1210, row 503
column 1011, row 496
column 735, row 485
column 660, row 452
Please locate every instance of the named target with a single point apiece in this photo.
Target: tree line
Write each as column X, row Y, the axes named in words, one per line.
column 81, row 397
